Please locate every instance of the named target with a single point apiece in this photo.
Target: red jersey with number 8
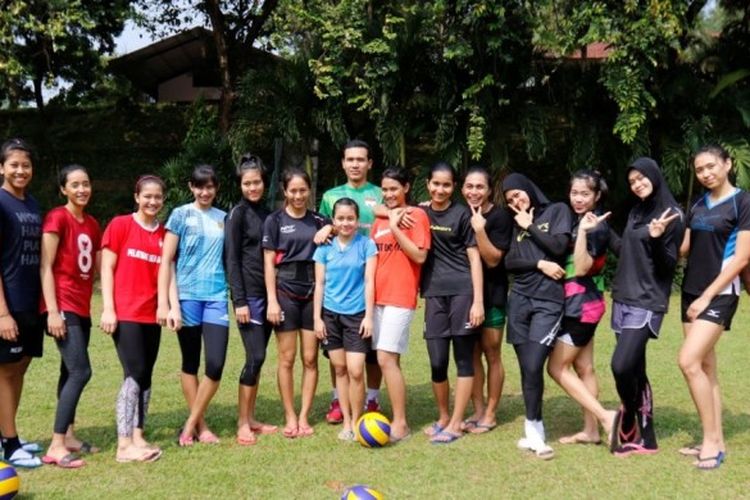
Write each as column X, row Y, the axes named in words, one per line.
column 75, row 261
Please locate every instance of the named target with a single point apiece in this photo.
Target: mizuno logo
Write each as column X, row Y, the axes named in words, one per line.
column 713, row 313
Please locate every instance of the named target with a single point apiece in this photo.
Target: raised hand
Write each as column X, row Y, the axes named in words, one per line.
column 590, row 220
column 524, row 218
column 478, row 222
column 657, row 227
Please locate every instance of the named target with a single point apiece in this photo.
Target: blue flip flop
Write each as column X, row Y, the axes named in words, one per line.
column 718, row 460
column 434, row 429
column 445, row 437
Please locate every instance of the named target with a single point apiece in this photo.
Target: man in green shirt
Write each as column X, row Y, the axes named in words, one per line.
column 356, row 162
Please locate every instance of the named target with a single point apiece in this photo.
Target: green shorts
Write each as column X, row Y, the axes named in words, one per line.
column 494, row 318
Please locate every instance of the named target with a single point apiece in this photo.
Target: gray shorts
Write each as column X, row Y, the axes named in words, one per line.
column 532, row 320
column 626, row 317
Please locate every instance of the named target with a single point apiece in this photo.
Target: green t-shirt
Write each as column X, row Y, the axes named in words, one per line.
column 366, row 197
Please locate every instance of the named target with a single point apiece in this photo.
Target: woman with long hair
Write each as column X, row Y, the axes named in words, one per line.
column 717, row 245
column 70, row 258
column 131, row 253
column 288, row 250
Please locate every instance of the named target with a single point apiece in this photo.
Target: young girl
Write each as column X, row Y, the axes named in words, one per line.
column 401, row 252
column 70, row 257
column 640, row 293
column 21, row 335
column 288, row 250
column 343, row 307
column 131, row 253
column 584, row 307
column 493, row 228
column 244, row 260
column 717, row 243
column 454, row 301
column 195, row 236
column 535, row 305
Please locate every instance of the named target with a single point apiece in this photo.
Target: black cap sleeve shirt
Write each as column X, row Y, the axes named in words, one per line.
column 713, row 239
column 291, row 238
column 446, row 271
column 499, row 229
column 555, row 219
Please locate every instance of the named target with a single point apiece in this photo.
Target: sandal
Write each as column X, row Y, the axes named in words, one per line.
column 146, row 456
column 545, row 453
column 290, row 432
column 247, row 440
column 445, row 437
column 85, row 448
column 185, row 439
column 718, row 460
column 433, row 429
column 481, row 428
column 690, row 451
column 23, row 459
column 69, row 461
column 347, row 435
column 305, row 431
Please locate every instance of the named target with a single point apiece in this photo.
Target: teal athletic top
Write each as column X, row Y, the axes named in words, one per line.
column 366, row 197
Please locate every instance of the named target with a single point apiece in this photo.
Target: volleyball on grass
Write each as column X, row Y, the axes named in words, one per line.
column 373, row 430
column 361, row 492
column 9, row 482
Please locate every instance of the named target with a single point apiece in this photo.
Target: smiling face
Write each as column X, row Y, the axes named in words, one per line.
column 252, row 185
column 204, row 195
column 356, row 164
column 150, row 200
column 711, row 170
column 640, row 185
column 345, row 220
column 297, row 192
column 582, row 197
column 394, row 193
column 518, row 199
column 476, row 190
column 17, row 171
column 77, row 188
column 440, row 186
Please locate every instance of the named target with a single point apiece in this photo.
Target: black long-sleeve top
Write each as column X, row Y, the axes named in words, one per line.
column 646, row 266
column 546, row 239
column 243, row 251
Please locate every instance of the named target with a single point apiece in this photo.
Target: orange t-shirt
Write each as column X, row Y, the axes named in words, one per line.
column 396, row 275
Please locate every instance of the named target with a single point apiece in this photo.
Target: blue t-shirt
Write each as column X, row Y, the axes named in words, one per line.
column 344, row 291
column 20, row 242
column 200, row 263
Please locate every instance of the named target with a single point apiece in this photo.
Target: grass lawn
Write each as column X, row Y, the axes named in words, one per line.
column 487, row 466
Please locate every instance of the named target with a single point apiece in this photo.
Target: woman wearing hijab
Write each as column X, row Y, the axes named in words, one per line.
column 541, row 236
column 648, row 252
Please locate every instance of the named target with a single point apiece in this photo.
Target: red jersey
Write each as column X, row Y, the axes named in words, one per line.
column 138, row 253
column 73, row 268
column 396, row 275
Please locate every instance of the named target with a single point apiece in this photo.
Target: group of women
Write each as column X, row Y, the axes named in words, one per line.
column 353, row 294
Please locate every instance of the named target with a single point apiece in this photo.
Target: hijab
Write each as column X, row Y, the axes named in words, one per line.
column 660, row 198
column 519, row 181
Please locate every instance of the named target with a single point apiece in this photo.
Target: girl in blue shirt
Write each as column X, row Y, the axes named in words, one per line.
column 195, row 238
column 343, row 307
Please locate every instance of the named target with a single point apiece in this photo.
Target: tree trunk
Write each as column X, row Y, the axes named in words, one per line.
column 222, row 53
column 38, row 96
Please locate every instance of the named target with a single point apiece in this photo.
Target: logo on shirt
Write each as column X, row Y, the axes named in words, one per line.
column 381, row 232
column 371, row 202
column 441, row 229
column 289, row 229
column 522, row 235
column 141, row 255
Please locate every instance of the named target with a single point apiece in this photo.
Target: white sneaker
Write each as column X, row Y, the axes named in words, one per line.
column 24, row 459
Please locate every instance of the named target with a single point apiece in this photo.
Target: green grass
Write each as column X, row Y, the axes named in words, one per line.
column 320, row 466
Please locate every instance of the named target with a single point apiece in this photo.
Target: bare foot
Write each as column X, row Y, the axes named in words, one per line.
column 581, row 438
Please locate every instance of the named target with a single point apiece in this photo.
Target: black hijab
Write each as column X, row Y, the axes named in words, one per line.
column 519, row 181
column 660, row 198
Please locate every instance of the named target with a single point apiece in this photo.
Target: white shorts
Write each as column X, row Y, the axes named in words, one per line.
column 391, row 331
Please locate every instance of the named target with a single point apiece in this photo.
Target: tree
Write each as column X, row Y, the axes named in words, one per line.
column 45, row 42
column 236, row 26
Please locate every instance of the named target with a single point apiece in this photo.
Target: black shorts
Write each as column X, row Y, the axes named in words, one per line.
column 447, row 316
column 532, row 320
column 30, row 341
column 296, row 313
column 720, row 310
column 575, row 333
column 342, row 332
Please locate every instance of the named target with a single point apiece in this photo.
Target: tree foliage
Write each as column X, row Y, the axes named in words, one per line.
column 45, row 42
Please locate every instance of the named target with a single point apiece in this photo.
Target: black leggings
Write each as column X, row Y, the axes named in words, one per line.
column 629, row 370
column 463, row 355
column 531, row 357
column 215, row 337
column 255, row 338
column 75, row 369
column 137, row 347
